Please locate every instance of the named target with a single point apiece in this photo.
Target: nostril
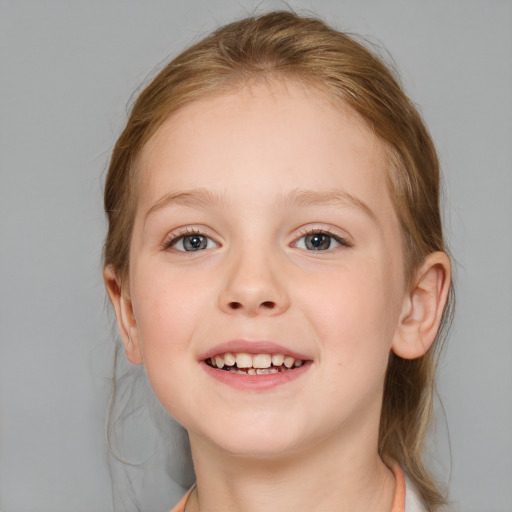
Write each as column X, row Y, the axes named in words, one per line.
column 267, row 305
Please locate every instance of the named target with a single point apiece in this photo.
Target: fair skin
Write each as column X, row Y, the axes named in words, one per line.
column 264, row 226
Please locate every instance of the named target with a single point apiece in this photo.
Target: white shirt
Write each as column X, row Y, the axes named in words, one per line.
column 413, row 502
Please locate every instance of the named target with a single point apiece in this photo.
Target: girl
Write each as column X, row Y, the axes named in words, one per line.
column 276, row 262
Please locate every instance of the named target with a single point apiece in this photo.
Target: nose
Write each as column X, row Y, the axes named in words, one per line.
column 254, row 286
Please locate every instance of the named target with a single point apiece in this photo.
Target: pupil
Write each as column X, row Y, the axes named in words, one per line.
column 194, row 242
column 318, row 241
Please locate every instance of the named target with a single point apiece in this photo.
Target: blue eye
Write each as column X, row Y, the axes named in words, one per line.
column 191, row 243
column 319, row 242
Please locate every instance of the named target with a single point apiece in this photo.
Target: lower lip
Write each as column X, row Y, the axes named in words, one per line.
column 256, row 382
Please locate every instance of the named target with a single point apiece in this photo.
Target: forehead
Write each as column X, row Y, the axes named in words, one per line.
column 280, row 131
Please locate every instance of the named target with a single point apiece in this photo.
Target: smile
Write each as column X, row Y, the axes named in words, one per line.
column 254, row 366
column 243, row 363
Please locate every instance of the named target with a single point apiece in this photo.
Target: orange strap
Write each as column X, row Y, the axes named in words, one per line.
column 399, row 499
column 180, row 506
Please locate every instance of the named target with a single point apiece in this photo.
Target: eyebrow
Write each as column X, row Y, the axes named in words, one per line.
column 304, row 198
column 196, row 198
column 204, row 198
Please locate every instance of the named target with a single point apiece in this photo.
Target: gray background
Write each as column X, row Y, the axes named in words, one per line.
column 67, row 71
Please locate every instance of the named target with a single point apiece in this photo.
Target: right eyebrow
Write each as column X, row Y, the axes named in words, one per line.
column 194, row 198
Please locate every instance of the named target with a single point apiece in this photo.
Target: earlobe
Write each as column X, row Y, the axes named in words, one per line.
column 121, row 301
column 423, row 307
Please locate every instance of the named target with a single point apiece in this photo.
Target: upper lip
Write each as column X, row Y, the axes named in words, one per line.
column 251, row 347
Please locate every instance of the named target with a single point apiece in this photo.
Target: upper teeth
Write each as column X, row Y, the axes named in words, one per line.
column 245, row 360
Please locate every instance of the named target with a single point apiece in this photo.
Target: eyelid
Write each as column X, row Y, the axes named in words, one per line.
column 177, row 234
column 343, row 240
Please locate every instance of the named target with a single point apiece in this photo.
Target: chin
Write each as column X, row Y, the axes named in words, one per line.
column 261, row 440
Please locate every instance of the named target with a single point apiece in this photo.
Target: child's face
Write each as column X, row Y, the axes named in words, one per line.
column 289, row 246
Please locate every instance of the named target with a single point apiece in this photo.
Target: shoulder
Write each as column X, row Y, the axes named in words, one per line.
column 413, row 501
column 180, row 506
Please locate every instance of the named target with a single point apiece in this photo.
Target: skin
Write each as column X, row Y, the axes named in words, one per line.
column 241, row 158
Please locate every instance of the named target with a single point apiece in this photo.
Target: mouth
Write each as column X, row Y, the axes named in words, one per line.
column 244, row 363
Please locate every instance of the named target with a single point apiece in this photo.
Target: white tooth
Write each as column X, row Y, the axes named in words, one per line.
column 219, row 361
column 298, row 363
column 251, row 371
column 261, row 361
column 262, row 371
column 266, row 371
column 277, row 359
column 288, row 361
column 229, row 359
column 243, row 360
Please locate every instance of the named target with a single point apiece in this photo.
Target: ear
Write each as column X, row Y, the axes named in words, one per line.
column 120, row 298
column 423, row 307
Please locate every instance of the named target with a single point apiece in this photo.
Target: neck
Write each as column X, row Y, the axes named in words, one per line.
column 323, row 477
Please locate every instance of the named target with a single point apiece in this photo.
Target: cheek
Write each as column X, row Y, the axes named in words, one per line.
column 167, row 310
column 356, row 314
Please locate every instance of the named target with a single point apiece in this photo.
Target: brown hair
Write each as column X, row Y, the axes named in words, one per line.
column 282, row 45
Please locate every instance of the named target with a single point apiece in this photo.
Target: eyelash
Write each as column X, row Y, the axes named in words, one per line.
column 174, row 238
column 323, row 231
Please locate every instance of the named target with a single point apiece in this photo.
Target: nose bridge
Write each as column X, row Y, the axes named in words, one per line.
column 253, row 283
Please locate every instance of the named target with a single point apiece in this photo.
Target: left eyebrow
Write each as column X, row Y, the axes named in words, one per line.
column 304, row 198
column 196, row 198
